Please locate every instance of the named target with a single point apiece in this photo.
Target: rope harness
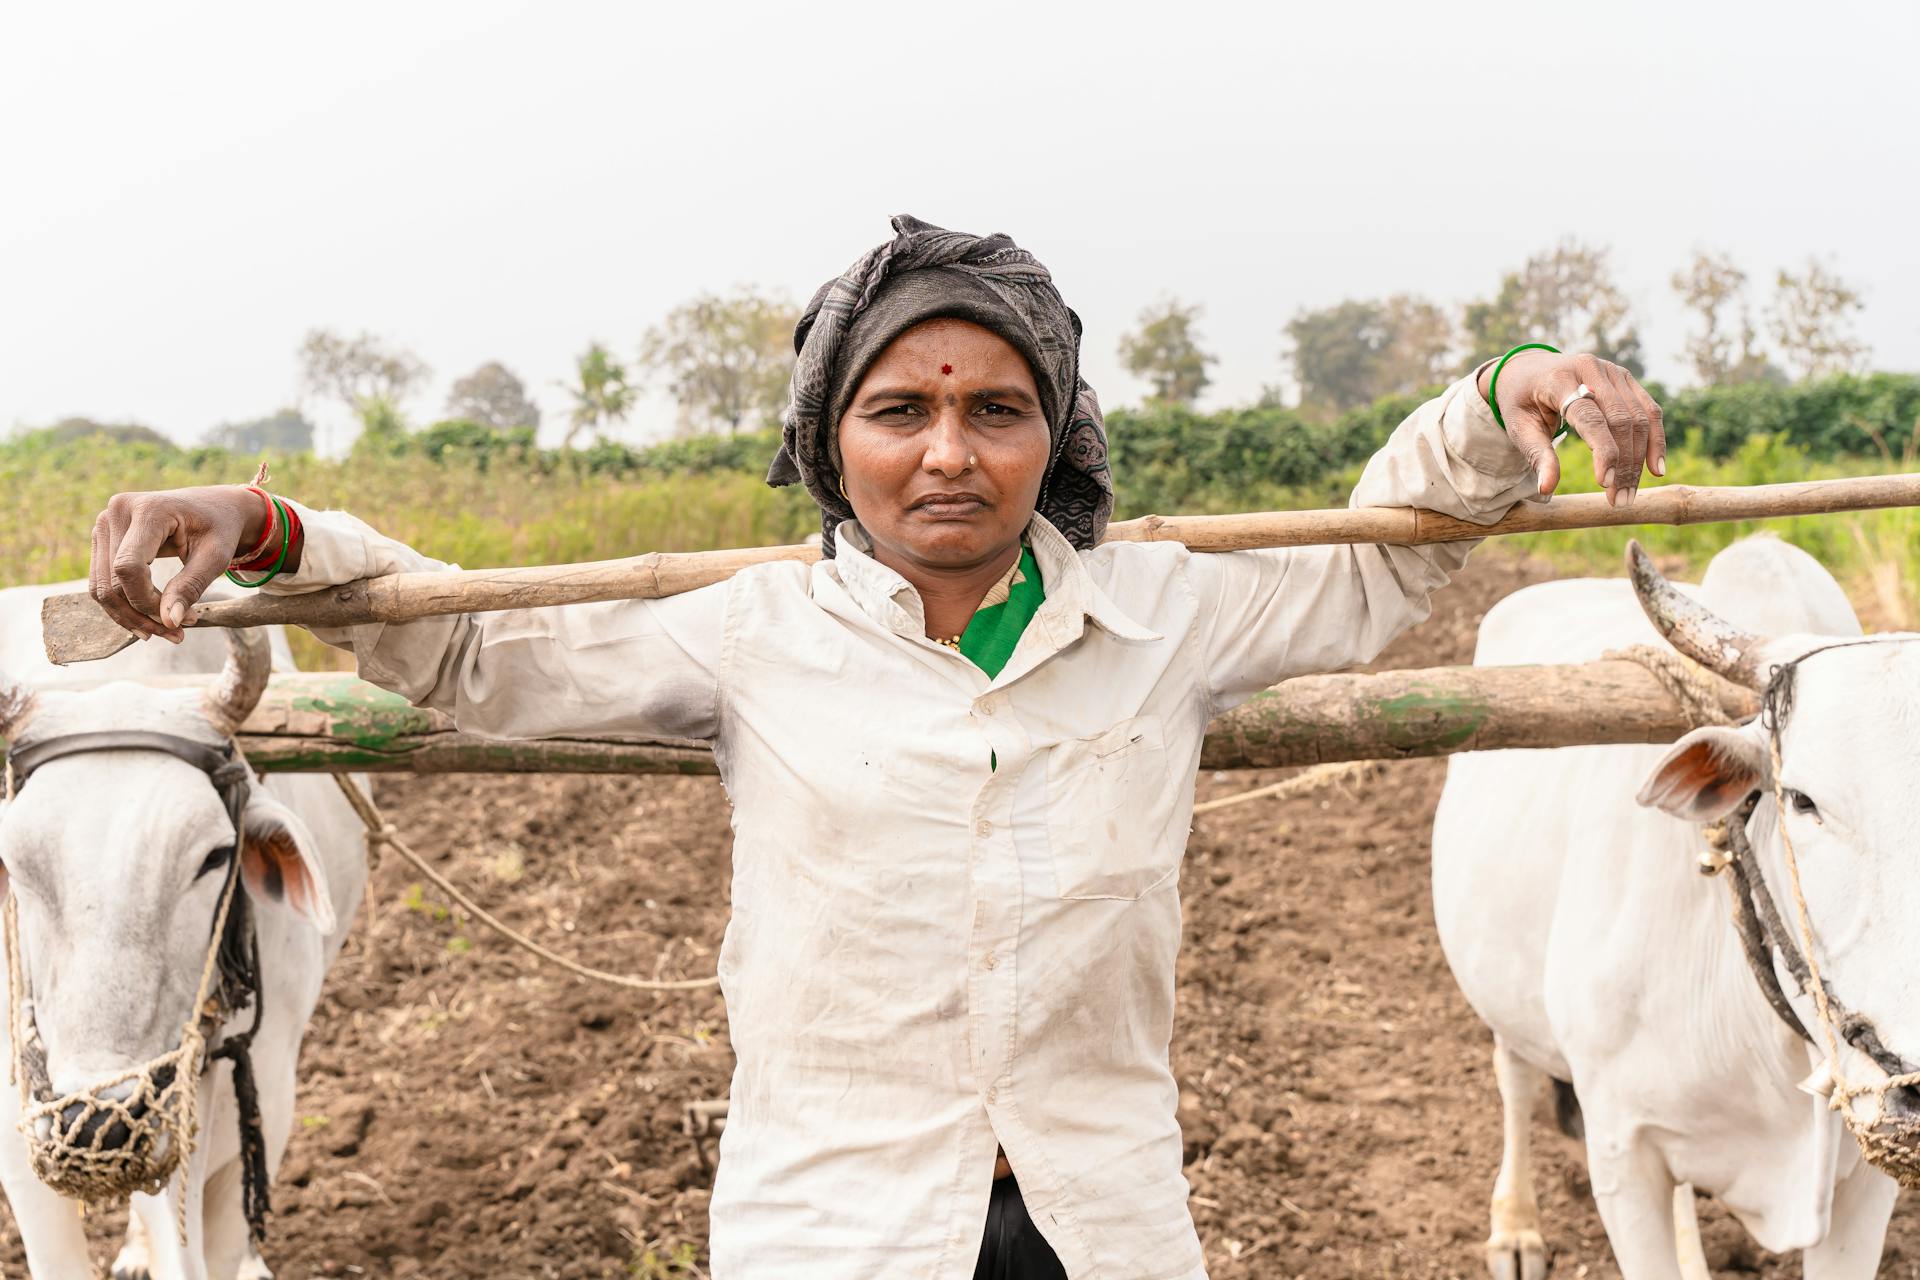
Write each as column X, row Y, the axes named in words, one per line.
column 1891, row 1143
column 131, row 1131
column 383, row 834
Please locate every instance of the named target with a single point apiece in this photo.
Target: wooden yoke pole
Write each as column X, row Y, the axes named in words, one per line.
column 331, row 722
column 78, row 630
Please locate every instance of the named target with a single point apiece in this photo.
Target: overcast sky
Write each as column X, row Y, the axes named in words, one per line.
column 186, row 189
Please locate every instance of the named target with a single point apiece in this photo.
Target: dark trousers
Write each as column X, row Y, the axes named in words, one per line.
column 1014, row 1249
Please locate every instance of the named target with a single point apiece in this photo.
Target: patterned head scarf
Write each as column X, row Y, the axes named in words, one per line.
column 922, row 273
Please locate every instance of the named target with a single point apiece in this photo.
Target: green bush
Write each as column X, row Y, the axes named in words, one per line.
column 474, row 442
column 1828, row 418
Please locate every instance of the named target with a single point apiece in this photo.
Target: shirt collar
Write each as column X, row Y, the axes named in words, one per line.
column 1072, row 596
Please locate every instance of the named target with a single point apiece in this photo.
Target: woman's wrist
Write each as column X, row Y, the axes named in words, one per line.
column 256, row 526
column 1519, row 372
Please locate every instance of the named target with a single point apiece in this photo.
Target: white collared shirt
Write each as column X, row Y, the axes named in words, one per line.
column 930, row 955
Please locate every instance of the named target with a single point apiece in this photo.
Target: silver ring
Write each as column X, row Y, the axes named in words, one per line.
column 1582, row 392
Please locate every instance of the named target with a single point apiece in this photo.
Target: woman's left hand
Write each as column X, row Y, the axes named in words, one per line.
column 1615, row 416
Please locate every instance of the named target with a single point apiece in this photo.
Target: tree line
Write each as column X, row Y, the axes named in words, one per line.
column 1356, row 351
column 724, row 358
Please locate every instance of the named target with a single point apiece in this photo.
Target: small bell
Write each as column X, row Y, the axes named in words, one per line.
column 1719, row 851
column 1820, row 1083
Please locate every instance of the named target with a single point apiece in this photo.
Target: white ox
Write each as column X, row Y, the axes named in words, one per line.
column 116, row 863
column 1580, row 928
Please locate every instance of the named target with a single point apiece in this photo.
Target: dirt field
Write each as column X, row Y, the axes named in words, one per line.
column 465, row 1112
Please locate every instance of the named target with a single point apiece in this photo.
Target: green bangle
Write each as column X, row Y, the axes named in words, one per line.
column 286, row 539
column 1493, row 383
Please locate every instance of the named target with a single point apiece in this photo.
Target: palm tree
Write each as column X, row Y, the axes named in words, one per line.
column 600, row 391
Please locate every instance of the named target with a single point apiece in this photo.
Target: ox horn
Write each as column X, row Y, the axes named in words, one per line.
column 16, row 705
column 242, row 680
column 1707, row 638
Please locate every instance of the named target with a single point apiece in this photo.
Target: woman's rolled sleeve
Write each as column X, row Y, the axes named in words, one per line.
column 627, row 667
column 1268, row 615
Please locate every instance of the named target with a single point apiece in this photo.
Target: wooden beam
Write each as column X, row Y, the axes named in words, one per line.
column 1437, row 711
column 78, row 630
column 334, row 722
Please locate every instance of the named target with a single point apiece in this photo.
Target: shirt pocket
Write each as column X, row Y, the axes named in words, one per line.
column 1107, row 807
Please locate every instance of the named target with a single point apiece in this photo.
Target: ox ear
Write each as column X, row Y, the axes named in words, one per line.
column 1707, row 774
column 279, row 862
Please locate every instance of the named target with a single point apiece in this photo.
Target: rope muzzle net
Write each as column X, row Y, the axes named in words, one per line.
column 128, row 1132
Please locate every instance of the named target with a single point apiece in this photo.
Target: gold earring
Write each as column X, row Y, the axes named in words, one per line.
column 843, row 489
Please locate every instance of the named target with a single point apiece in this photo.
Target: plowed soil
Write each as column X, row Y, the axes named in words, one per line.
column 465, row 1111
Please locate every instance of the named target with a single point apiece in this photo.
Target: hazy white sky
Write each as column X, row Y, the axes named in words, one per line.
column 186, row 189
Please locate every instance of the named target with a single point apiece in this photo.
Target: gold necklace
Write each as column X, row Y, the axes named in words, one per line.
column 953, row 644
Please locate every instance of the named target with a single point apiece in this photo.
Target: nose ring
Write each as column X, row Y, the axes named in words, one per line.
column 972, row 461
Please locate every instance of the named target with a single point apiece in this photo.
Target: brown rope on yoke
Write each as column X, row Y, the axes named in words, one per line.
column 382, row 832
column 1691, row 684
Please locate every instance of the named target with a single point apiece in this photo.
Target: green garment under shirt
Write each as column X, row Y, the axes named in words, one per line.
column 990, row 638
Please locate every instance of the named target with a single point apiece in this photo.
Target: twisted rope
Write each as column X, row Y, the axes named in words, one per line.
column 1310, row 780
column 1889, row 1148
column 1691, row 684
column 380, row 832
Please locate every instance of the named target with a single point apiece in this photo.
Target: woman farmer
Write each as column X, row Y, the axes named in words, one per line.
column 961, row 752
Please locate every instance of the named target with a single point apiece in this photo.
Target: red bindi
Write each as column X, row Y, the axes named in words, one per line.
column 946, row 368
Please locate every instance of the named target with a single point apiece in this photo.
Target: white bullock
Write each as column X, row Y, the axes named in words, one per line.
column 116, row 860
column 1580, row 927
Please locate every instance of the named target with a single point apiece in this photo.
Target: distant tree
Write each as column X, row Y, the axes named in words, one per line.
column 1810, row 321
column 383, row 428
column 1355, row 352
column 492, row 395
column 357, row 370
column 726, row 358
column 119, row 432
column 1715, row 289
column 601, row 393
column 287, row 431
column 1567, row 297
column 1166, row 351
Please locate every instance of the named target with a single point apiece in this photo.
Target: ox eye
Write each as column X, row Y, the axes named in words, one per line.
column 1803, row 803
column 214, row 861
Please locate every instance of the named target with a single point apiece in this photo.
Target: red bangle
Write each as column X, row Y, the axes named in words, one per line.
column 245, row 559
column 296, row 534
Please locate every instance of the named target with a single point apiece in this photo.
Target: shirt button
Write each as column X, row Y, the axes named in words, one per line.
column 991, row 960
column 986, row 708
column 983, row 828
column 993, row 1093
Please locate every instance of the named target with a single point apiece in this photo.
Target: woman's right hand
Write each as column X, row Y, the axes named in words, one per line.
column 206, row 527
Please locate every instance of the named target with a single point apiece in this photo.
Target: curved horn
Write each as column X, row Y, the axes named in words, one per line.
column 1708, row 639
column 242, row 680
column 16, row 705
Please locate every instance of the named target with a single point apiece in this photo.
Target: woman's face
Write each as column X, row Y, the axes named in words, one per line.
column 944, row 446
